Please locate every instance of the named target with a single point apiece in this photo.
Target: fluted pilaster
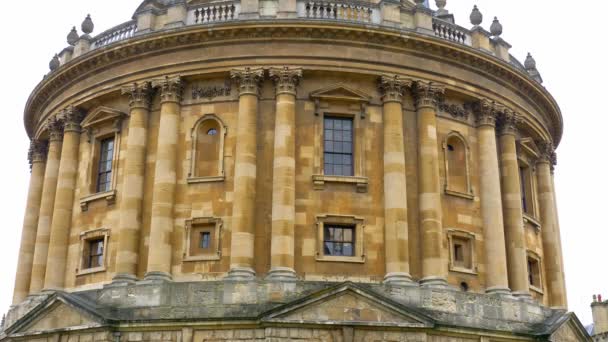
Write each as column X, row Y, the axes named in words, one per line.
column 165, row 179
column 37, row 159
column 396, row 247
column 434, row 268
column 284, row 174
column 248, row 82
column 64, row 200
column 491, row 200
column 127, row 254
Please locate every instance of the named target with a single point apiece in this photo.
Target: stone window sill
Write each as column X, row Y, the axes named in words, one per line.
column 464, row 195
column 531, row 220
column 537, row 289
column 109, row 196
column 213, row 179
column 208, row 257
column 347, row 259
column 472, row 271
column 360, row 182
column 91, row 271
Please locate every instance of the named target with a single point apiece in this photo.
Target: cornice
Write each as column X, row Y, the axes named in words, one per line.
column 369, row 35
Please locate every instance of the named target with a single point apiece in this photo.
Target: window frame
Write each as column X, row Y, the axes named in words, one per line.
column 86, row 238
column 531, row 198
column 222, row 133
column 358, row 225
column 215, row 230
column 454, row 234
column 468, row 194
column 100, row 160
column 538, row 288
column 340, row 118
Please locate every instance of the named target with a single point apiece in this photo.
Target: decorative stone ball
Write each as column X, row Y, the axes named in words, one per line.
column 496, row 28
column 87, row 25
column 530, row 63
column 73, row 36
column 440, row 3
column 54, row 64
column 476, row 16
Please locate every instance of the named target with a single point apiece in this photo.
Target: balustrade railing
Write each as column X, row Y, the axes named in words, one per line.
column 449, row 31
column 115, row 34
column 337, row 10
column 211, row 13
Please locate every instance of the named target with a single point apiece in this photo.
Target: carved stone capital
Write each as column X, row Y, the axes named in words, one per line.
column 285, row 79
column 248, row 80
column 55, row 128
column 546, row 153
column 171, row 88
column 392, row 88
column 486, row 112
column 71, row 118
column 427, row 94
column 37, row 151
column 140, row 94
column 508, row 121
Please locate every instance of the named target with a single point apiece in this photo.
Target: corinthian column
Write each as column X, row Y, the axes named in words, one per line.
column 133, row 184
column 55, row 130
column 395, row 190
column 284, row 175
column 434, row 268
column 512, row 208
column 37, row 157
column 165, row 179
column 552, row 249
column 491, row 206
column 64, row 200
column 243, row 213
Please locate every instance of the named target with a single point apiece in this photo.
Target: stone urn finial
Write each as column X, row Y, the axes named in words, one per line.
column 476, row 16
column 441, row 7
column 87, row 25
column 73, row 36
column 496, row 28
column 55, row 63
column 530, row 63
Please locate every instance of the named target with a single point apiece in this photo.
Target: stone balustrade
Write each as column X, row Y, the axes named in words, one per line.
column 115, row 34
column 212, row 13
column 449, row 31
column 339, row 10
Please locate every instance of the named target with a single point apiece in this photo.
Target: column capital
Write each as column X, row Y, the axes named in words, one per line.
column 392, row 88
column 37, row 151
column 71, row 118
column 248, row 80
column 171, row 88
column 508, row 121
column 140, row 94
column 55, row 128
column 547, row 153
column 427, row 94
column 285, row 79
column 486, row 112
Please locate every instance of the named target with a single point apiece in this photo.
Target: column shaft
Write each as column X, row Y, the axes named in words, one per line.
column 549, row 229
column 165, row 181
column 37, row 157
column 395, row 189
column 47, row 204
column 127, row 255
column 512, row 208
column 284, row 175
column 243, row 212
column 434, row 268
column 64, row 202
column 491, row 202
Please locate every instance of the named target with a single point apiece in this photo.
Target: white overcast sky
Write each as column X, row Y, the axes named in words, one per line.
column 565, row 37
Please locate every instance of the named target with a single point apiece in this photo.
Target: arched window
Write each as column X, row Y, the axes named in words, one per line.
column 457, row 175
column 207, row 150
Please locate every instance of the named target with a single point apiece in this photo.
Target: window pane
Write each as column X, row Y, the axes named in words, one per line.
column 348, row 235
column 347, row 249
column 329, row 248
column 104, row 174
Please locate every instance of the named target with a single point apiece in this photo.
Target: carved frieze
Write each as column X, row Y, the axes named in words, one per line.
column 285, row 79
column 427, row 94
column 248, row 80
column 171, row 88
column 206, row 92
column 456, row 111
column 140, row 94
column 392, row 88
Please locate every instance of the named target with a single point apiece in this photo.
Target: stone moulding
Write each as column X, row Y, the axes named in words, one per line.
column 384, row 38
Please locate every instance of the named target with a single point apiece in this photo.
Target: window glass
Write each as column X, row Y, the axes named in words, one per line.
column 95, row 257
column 104, row 170
column 205, row 240
column 339, row 240
column 534, row 272
column 338, row 143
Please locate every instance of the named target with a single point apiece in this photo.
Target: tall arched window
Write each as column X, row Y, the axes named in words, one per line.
column 457, row 175
column 207, row 150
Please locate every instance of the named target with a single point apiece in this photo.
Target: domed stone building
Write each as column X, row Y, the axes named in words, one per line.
column 291, row 170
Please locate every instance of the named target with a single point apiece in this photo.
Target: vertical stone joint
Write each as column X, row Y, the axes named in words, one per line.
column 170, row 87
column 248, row 80
column 427, row 94
column 392, row 88
column 286, row 80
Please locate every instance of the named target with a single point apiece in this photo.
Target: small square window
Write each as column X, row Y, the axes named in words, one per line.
column 93, row 248
column 462, row 251
column 534, row 273
column 205, row 240
column 340, row 238
column 202, row 239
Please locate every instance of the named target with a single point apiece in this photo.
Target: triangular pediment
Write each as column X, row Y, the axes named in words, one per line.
column 528, row 147
column 347, row 304
column 55, row 314
column 101, row 116
column 340, row 92
column 569, row 329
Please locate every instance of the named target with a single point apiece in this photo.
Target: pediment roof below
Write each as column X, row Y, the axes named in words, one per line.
column 340, row 92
